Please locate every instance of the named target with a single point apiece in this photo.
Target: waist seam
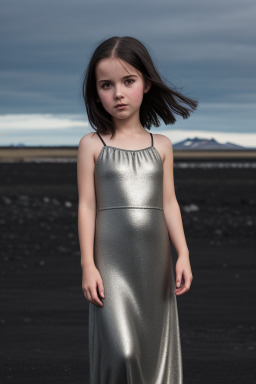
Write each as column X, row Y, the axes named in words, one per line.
column 129, row 207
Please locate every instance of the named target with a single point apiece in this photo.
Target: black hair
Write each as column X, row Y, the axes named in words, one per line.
column 160, row 101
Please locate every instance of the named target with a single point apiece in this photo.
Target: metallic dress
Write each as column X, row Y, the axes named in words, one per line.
column 134, row 338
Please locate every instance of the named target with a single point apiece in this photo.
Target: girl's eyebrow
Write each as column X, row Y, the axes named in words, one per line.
column 125, row 77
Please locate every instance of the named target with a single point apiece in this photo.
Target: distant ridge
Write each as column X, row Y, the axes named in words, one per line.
column 205, row 144
column 188, row 144
column 19, row 145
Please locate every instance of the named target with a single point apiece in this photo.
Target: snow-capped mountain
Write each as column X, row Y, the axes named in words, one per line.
column 205, row 144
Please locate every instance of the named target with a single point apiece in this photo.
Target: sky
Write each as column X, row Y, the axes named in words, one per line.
column 206, row 49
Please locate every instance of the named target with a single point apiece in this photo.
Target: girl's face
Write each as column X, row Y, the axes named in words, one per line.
column 117, row 82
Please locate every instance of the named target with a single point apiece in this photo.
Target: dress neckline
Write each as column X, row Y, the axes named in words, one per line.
column 128, row 150
column 124, row 149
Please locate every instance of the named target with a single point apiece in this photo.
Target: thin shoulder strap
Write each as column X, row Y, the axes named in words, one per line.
column 152, row 140
column 101, row 138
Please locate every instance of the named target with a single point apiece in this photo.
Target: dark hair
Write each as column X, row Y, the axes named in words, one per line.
column 160, row 100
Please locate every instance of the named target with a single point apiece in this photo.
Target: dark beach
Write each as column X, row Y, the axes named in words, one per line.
column 44, row 314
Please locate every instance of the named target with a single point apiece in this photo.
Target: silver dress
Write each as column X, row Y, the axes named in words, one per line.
column 134, row 338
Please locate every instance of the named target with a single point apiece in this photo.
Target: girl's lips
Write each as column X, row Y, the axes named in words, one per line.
column 121, row 106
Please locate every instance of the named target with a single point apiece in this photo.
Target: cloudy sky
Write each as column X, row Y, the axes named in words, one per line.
column 207, row 49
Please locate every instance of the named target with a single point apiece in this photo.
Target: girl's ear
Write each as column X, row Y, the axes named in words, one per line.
column 147, row 86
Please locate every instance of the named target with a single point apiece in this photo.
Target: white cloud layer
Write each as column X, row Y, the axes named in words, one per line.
column 37, row 122
column 65, row 129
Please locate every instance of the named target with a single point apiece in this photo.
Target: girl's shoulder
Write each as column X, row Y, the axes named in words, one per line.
column 87, row 139
column 163, row 142
column 164, row 145
column 88, row 142
column 89, row 145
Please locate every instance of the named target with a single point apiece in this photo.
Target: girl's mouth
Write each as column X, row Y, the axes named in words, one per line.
column 121, row 106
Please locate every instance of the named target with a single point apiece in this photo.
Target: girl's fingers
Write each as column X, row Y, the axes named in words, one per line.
column 187, row 281
column 186, row 286
column 180, row 291
column 101, row 289
column 95, row 297
column 178, row 279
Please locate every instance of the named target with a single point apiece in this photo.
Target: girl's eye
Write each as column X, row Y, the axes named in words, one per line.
column 104, row 85
column 131, row 81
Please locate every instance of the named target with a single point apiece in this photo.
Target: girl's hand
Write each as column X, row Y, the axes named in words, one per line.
column 183, row 268
column 91, row 280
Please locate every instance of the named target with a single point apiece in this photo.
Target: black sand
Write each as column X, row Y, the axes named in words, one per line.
column 44, row 315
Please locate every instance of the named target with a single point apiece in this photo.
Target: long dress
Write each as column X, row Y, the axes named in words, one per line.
column 134, row 338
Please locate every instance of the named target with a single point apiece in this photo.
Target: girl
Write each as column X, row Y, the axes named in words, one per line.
column 127, row 216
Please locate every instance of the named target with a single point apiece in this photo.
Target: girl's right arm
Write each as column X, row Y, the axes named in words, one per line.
column 86, row 220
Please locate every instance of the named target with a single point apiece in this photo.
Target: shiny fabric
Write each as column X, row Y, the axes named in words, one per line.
column 134, row 338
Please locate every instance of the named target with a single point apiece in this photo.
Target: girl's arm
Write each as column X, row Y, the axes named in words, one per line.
column 87, row 203
column 86, row 219
column 174, row 220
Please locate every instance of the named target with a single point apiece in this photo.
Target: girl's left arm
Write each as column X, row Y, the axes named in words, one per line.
column 174, row 220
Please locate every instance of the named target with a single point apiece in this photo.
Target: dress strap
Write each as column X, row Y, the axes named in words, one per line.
column 152, row 140
column 101, row 138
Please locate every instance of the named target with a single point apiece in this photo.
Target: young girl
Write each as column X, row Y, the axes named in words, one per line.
column 127, row 216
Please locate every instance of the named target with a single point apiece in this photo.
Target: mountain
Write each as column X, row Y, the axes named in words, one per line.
column 195, row 143
column 18, row 145
column 204, row 144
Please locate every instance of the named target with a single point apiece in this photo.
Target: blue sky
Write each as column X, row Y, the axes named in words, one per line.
column 205, row 48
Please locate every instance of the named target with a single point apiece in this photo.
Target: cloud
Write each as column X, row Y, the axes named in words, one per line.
column 207, row 48
column 38, row 122
column 65, row 129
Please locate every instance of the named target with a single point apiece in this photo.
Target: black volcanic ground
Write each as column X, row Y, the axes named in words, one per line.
column 44, row 315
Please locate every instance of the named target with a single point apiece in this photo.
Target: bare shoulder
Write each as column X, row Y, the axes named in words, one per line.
column 163, row 145
column 87, row 141
column 89, row 145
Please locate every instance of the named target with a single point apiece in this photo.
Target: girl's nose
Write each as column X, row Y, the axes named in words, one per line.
column 118, row 92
